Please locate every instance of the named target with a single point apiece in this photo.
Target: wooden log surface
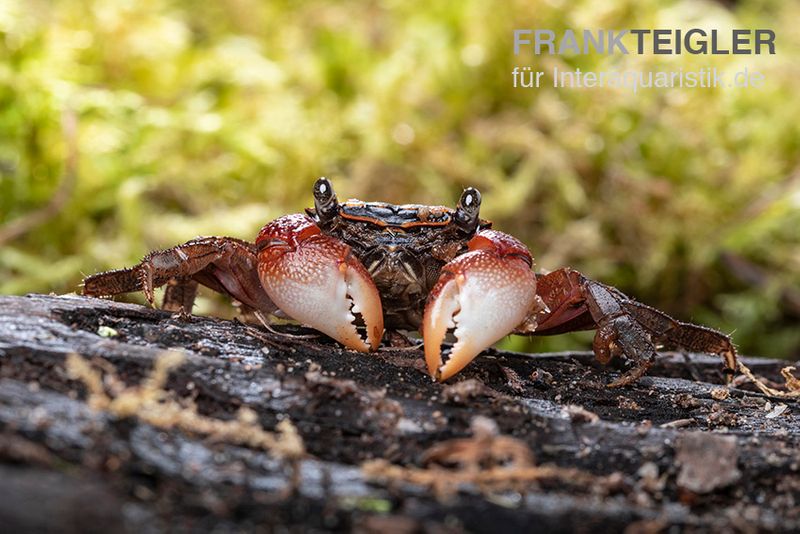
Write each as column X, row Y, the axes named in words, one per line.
column 384, row 447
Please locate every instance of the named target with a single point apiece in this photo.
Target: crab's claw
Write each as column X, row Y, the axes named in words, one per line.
column 480, row 297
column 316, row 280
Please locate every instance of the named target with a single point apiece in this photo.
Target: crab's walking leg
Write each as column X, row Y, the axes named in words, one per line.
column 480, row 297
column 671, row 333
column 624, row 326
column 618, row 333
column 316, row 280
column 179, row 295
column 224, row 264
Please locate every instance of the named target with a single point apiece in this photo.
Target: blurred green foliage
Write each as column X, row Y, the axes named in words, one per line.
column 198, row 118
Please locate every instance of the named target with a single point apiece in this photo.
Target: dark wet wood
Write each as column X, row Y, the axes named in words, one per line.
column 65, row 467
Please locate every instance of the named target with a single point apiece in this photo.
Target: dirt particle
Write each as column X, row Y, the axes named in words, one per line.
column 513, row 380
column 408, row 426
column 391, row 524
column 483, row 427
column 644, row 427
column 678, row 423
column 628, row 404
column 686, row 401
column 777, row 411
column 461, row 392
column 542, row 376
column 106, row 331
column 719, row 416
column 720, row 394
column 707, row 462
column 579, row 414
column 20, row 449
column 649, row 478
column 647, row 526
column 143, row 493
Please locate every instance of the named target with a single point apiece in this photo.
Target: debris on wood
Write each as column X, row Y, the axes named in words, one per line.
column 707, row 462
column 792, row 383
column 487, row 461
column 155, row 406
column 720, row 394
column 579, row 414
column 206, row 424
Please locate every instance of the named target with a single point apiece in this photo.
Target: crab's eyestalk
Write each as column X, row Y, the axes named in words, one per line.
column 325, row 203
column 468, row 210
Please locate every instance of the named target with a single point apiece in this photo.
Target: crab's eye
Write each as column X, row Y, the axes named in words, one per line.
column 325, row 202
column 468, row 210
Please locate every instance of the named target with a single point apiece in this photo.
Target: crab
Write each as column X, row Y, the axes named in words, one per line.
column 354, row 270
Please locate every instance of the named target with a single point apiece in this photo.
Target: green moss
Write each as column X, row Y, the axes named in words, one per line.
column 212, row 118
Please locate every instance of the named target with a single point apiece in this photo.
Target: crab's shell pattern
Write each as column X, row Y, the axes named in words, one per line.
column 405, row 216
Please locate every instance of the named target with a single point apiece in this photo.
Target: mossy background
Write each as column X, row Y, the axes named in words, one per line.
column 192, row 118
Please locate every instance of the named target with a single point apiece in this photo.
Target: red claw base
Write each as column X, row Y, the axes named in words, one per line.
column 316, row 280
column 480, row 297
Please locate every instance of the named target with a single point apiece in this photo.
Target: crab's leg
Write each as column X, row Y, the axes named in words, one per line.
column 480, row 297
column 179, row 295
column 316, row 280
column 224, row 264
column 624, row 326
column 618, row 333
column 671, row 333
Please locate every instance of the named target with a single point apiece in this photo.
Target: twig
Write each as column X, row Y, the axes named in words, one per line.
column 792, row 383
